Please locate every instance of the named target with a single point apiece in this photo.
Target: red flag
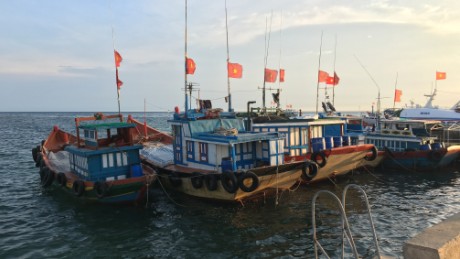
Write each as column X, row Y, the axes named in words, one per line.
column 440, row 75
column 270, row 75
column 118, row 58
column 322, row 76
column 235, row 70
column 398, row 94
column 119, row 82
column 281, row 75
column 336, row 79
column 190, row 66
column 330, row 80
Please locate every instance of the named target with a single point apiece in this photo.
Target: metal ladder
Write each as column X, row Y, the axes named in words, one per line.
column 346, row 232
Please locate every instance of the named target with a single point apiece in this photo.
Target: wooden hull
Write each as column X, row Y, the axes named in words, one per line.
column 269, row 179
column 421, row 160
column 129, row 190
column 338, row 161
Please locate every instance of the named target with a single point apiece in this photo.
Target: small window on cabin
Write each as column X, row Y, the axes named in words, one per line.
column 119, row 160
column 190, row 150
column 203, row 152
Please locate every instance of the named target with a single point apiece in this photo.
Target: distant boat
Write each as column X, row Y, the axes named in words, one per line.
column 409, row 145
column 430, row 112
column 101, row 163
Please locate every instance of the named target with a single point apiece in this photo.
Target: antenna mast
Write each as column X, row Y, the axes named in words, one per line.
column 228, row 60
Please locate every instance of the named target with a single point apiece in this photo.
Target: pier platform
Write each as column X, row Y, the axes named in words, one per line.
column 441, row 241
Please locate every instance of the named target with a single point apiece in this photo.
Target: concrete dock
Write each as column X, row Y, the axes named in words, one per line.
column 441, row 241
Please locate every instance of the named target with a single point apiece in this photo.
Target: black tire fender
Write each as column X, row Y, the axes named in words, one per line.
column 175, row 179
column 373, row 156
column 309, row 171
column 39, row 159
column 101, row 189
column 46, row 177
column 211, row 181
column 229, row 181
column 254, row 181
column 322, row 156
column 197, row 180
column 435, row 155
column 61, row 179
column 78, row 188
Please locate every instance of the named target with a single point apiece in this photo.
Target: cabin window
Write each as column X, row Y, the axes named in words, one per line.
column 190, row 150
column 203, row 152
column 89, row 134
column 119, row 161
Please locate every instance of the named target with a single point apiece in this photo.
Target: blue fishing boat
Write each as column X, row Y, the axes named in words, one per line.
column 322, row 141
column 100, row 163
column 409, row 144
column 211, row 155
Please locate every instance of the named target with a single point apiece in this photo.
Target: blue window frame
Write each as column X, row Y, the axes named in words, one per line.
column 190, row 150
column 203, row 152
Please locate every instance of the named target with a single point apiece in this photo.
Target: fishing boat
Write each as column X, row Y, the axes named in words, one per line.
column 100, row 163
column 210, row 155
column 320, row 140
column 409, row 144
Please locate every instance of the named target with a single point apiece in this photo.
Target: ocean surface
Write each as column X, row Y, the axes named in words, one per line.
column 39, row 223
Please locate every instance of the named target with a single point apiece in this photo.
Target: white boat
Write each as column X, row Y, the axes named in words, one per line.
column 430, row 112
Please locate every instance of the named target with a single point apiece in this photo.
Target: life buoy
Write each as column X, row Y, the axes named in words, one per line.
column 78, row 188
column 61, row 179
column 211, row 181
column 197, row 180
column 174, row 179
column 435, row 155
column 229, row 182
column 373, row 156
column 248, row 177
column 322, row 156
column 309, row 171
column 46, row 177
column 101, row 189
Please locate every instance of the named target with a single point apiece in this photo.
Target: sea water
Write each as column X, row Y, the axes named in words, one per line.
column 37, row 222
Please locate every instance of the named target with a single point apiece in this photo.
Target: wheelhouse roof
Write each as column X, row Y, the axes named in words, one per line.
column 107, row 125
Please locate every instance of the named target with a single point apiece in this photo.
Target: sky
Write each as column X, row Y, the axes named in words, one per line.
column 58, row 55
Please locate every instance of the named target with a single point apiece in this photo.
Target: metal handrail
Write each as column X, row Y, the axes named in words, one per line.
column 374, row 234
column 346, row 231
column 344, row 222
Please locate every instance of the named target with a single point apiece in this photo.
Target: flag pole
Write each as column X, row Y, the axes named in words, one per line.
column 185, row 63
column 279, row 64
column 319, row 67
column 334, row 82
column 228, row 60
column 396, row 83
column 267, row 46
column 116, row 68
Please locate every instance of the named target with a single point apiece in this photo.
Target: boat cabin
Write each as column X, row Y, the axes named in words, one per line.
column 305, row 135
column 104, row 150
column 403, row 135
column 222, row 144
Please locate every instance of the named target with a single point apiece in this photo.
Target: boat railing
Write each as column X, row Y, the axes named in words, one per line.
column 346, row 231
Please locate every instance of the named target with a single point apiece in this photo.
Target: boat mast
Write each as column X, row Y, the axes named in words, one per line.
column 396, row 83
column 267, row 46
column 319, row 67
column 228, row 60
column 116, row 68
column 279, row 65
column 185, row 62
column 333, row 86
column 378, row 95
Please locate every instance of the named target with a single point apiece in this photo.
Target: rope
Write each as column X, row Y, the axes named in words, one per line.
column 167, row 195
